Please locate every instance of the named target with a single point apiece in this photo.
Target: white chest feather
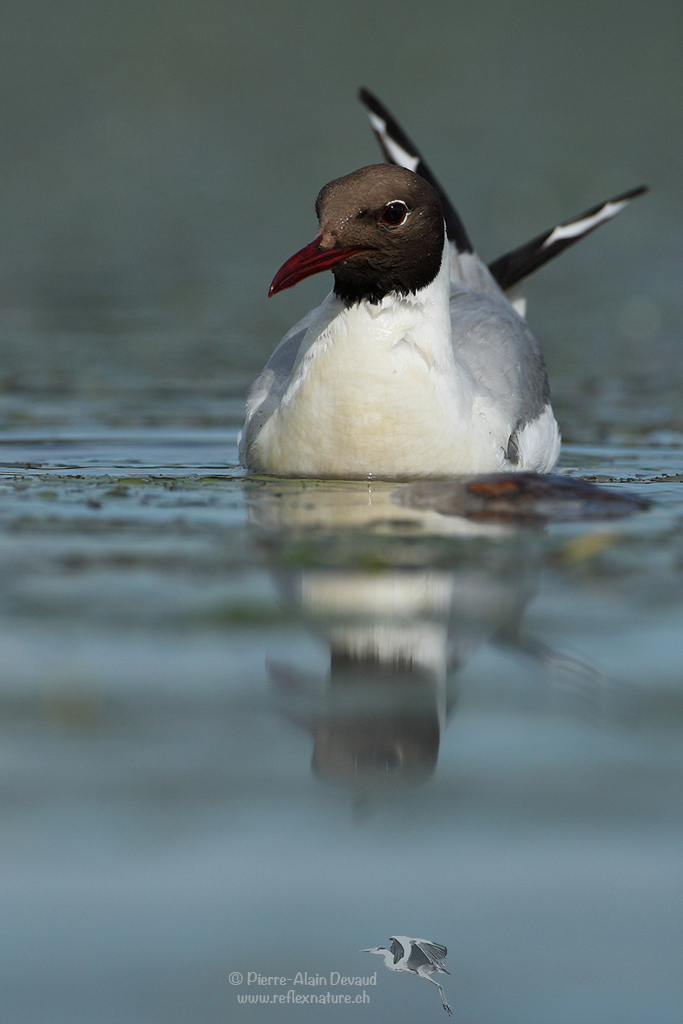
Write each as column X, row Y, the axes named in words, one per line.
column 376, row 389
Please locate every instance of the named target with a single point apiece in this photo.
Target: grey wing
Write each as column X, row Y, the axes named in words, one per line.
column 397, row 950
column 495, row 343
column 265, row 393
column 433, row 951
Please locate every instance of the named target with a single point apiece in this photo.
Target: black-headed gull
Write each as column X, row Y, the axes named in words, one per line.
column 416, row 364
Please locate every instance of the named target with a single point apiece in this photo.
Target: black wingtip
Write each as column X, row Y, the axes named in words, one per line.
column 623, row 197
column 369, row 99
column 517, row 264
column 373, row 103
column 639, row 190
column 394, row 130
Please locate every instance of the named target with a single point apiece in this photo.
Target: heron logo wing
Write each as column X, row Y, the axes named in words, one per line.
column 397, row 950
column 435, row 953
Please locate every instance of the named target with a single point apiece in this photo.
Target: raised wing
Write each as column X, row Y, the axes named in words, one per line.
column 434, row 952
column 399, row 149
column 519, row 263
column 397, row 950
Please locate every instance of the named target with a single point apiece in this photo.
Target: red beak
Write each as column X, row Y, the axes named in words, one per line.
column 309, row 260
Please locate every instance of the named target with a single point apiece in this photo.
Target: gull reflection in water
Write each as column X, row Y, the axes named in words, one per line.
column 436, row 588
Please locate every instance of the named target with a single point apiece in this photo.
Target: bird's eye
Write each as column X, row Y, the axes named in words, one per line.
column 394, row 214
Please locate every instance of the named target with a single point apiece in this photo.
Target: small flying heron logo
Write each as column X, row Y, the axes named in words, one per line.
column 415, row 956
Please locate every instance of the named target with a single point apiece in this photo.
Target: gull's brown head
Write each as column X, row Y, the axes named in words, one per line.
column 381, row 231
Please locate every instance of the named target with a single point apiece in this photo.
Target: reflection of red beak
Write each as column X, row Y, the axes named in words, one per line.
column 309, row 260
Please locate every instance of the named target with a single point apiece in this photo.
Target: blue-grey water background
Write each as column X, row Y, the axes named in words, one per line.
column 202, row 772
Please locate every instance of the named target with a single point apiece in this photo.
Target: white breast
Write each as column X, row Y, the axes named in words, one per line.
column 377, row 390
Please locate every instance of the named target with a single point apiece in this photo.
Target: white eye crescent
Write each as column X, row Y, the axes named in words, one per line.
column 395, row 213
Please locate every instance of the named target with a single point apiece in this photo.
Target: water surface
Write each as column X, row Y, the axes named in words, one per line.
column 256, row 725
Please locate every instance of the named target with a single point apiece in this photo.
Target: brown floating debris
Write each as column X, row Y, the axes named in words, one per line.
column 523, row 497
